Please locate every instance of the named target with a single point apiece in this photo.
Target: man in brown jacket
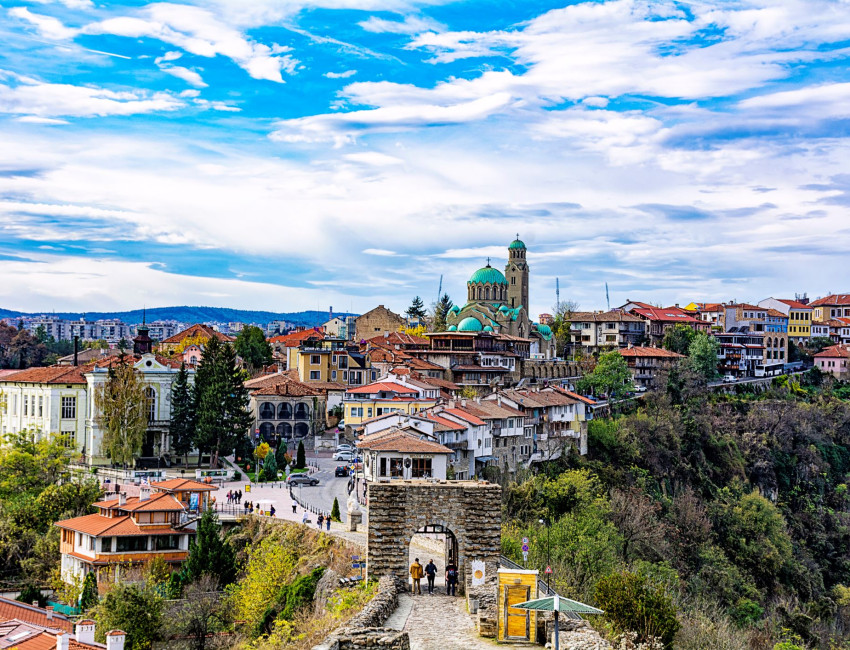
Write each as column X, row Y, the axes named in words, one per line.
column 416, row 572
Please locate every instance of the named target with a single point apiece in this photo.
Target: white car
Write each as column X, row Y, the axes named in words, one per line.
column 345, row 447
column 347, row 456
column 729, row 378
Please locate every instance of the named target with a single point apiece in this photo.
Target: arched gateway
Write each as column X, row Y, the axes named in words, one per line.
column 469, row 510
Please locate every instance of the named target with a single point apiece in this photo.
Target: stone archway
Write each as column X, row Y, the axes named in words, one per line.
column 398, row 509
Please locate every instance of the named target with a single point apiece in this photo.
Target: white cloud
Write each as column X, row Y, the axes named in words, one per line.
column 374, row 158
column 410, row 25
column 32, row 119
column 341, row 75
column 379, row 252
column 189, row 76
column 823, row 100
column 216, row 105
column 47, row 26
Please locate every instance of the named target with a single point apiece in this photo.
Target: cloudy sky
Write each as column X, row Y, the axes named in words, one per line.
column 295, row 154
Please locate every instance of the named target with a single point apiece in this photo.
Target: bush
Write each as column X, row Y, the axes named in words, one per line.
column 633, row 604
column 301, row 458
column 237, row 476
column 746, row 612
column 335, row 510
column 30, row 594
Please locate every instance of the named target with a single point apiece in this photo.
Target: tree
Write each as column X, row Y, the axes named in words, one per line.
column 182, row 426
column 563, row 313
column 30, row 594
column 633, row 604
column 30, row 462
column 253, row 348
column 262, row 450
column 703, row 356
column 611, row 377
column 416, row 309
column 88, row 596
column 270, row 467
column 121, row 403
column 636, row 517
column 819, row 343
column 134, row 608
column 441, row 312
column 221, row 401
column 335, row 510
column 678, row 338
column 201, row 613
column 210, row 554
column 301, row 456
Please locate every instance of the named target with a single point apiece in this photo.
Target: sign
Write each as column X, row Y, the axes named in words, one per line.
column 248, row 487
column 193, row 501
column 355, row 557
column 478, row 573
column 525, row 556
column 525, row 548
column 525, row 541
column 359, row 565
column 548, row 569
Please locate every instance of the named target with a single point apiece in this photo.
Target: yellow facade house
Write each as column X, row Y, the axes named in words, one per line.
column 385, row 397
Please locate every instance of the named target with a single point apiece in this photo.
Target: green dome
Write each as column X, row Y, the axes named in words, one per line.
column 453, row 328
column 487, row 328
column 469, row 324
column 515, row 244
column 487, row 275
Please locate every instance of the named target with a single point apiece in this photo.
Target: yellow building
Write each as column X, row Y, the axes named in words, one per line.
column 329, row 360
column 385, row 397
column 799, row 320
column 516, row 586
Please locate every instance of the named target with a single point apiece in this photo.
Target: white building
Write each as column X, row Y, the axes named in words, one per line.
column 402, row 453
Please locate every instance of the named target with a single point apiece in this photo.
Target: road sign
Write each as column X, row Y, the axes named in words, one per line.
column 525, row 540
column 525, row 556
column 525, row 548
column 355, row 557
column 548, row 569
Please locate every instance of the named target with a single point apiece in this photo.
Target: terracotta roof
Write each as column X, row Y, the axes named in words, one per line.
column 490, row 410
column 383, row 355
column 294, row 339
column 462, row 414
column 421, row 364
column 834, row 352
column 442, row 383
column 13, row 609
column 667, row 314
column 109, row 362
column 398, row 338
column 383, row 386
column 744, row 305
column 540, row 398
column 603, row 317
column 709, row 306
column 38, row 641
column 401, row 440
column 794, row 304
column 650, row 352
column 158, row 502
column 50, row 375
column 580, row 398
column 280, row 384
column 175, row 484
column 776, row 313
column 444, row 423
column 835, row 299
column 195, row 330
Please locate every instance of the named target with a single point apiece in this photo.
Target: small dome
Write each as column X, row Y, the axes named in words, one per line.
column 487, row 275
column 453, row 328
column 515, row 244
column 487, row 328
column 469, row 324
column 455, row 309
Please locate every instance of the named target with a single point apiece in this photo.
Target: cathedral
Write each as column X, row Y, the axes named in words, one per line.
column 498, row 303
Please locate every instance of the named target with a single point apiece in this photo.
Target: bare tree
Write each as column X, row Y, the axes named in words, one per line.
column 636, row 517
column 121, row 403
column 194, row 621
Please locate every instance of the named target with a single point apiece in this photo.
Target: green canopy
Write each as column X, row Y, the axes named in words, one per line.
column 564, row 605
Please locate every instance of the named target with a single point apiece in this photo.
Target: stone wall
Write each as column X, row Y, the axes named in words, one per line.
column 470, row 510
column 535, row 369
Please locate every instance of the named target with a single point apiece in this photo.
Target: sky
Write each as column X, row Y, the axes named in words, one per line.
column 301, row 154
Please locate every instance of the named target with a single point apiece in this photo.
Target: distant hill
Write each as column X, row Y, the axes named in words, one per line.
column 186, row 314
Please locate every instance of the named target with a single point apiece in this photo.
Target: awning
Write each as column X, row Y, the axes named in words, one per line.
column 564, row 605
column 485, row 459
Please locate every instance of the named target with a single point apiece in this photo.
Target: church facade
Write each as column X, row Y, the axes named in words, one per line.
column 497, row 303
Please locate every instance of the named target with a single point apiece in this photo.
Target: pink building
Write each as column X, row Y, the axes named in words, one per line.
column 835, row 360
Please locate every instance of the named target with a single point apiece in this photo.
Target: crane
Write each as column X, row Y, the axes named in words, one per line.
column 440, row 289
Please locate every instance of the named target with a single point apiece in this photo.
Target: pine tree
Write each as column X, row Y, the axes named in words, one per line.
column 253, row 348
column 416, row 309
column 280, row 454
column 182, row 427
column 88, row 595
column 221, row 401
column 209, row 553
column 301, row 458
column 335, row 510
column 441, row 312
column 270, row 467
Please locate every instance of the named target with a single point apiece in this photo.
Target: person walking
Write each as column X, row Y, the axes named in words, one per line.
column 305, row 519
column 416, row 573
column 328, row 522
column 451, row 579
column 431, row 574
column 320, row 520
column 294, row 508
column 271, row 511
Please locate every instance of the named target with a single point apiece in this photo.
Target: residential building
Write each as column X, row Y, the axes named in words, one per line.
column 832, row 306
column 32, row 614
column 17, row 634
column 649, row 365
column 160, row 330
column 710, row 312
column 402, row 453
column 745, row 353
column 834, row 360
column 659, row 320
column 473, row 445
column 128, row 532
column 89, row 355
column 331, row 360
column 112, row 330
column 52, row 325
column 506, row 430
column 376, row 322
column 383, row 397
column 480, row 360
column 196, row 334
column 799, row 316
column 336, row 327
column 592, row 332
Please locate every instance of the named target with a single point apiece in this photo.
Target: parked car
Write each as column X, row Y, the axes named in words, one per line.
column 342, row 470
column 340, row 426
column 346, row 456
column 301, row 479
column 344, row 447
column 729, row 378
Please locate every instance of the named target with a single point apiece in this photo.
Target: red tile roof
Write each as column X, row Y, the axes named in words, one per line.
column 13, row 609
column 667, row 314
column 399, row 338
column 198, row 329
column 794, row 304
column 401, row 440
column 615, row 315
column 184, row 484
column 50, row 375
column 383, row 386
column 836, row 299
column 465, row 415
column 834, row 352
column 650, row 352
column 281, row 384
column 294, row 339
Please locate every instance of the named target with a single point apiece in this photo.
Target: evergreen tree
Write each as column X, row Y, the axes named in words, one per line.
column 335, row 510
column 280, row 454
column 121, row 403
column 210, row 554
column 441, row 312
column 182, row 427
column 253, row 348
column 88, row 596
column 270, row 467
column 221, row 401
column 416, row 309
column 301, row 457
column 703, row 356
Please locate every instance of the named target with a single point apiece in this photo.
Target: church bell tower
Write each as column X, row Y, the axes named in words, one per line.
column 516, row 273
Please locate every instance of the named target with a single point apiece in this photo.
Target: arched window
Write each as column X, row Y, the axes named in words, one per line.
column 486, row 293
column 150, row 403
column 267, row 411
column 267, row 431
column 769, row 342
column 284, row 411
column 284, row 430
column 301, row 430
column 302, row 411
column 480, row 293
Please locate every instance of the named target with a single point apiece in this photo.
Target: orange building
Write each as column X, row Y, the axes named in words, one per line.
column 131, row 531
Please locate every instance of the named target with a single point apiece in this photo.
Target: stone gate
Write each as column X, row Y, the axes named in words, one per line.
column 470, row 510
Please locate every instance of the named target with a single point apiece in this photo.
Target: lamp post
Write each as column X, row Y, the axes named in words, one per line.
column 543, row 522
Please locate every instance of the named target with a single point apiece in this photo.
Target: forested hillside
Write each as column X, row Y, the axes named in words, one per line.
column 705, row 520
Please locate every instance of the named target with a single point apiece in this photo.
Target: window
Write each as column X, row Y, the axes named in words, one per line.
column 315, row 360
column 40, row 406
column 69, row 408
column 396, row 467
column 421, row 468
column 374, row 375
column 369, row 412
column 267, row 411
column 137, row 543
column 106, row 545
column 26, row 405
column 166, row 542
column 383, row 470
column 70, row 439
column 315, row 375
column 150, row 403
column 91, row 542
column 355, row 377
column 333, row 375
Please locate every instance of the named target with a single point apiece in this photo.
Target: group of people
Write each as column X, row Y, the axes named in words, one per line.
column 234, row 497
column 320, row 520
column 417, row 572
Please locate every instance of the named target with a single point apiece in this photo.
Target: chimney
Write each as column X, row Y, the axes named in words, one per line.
column 84, row 631
column 35, row 603
column 115, row 640
column 49, row 611
column 76, row 349
column 144, row 493
column 62, row 641
column 122, row 499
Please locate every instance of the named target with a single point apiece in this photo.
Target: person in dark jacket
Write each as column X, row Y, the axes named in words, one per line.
column 431, row 574
column 451, row 579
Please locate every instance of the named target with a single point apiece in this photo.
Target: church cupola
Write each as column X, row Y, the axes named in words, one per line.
column 142, row 344
column 516, row 273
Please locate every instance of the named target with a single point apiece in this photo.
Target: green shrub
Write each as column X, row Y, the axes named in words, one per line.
column 237, row 476
column 301, row 456
column 335, row 511
column 30, row 594
column 633, row 604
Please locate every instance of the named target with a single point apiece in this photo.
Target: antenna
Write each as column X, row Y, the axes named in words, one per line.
column 607, row 297
column 440, row 289
column 557, row 295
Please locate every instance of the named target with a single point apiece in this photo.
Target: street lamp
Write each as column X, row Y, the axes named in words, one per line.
column 543, row 522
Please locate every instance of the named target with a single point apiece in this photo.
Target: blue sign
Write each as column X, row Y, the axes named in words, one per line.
column 525, row 548
column 193, row 501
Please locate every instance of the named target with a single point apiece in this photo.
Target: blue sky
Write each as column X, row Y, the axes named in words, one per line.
column 288, row 154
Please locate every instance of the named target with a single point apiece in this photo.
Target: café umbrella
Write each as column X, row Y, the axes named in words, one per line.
column 559, row 605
